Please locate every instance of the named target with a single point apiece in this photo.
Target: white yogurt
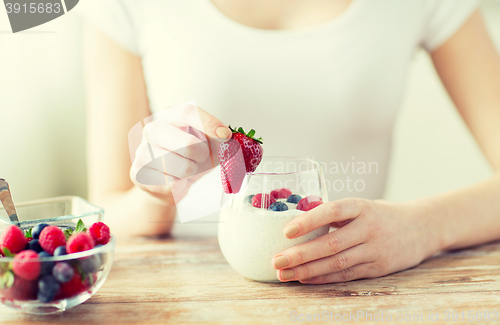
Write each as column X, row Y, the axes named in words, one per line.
column 249, row 237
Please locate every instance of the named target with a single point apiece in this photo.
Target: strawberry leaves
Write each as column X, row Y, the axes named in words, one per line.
column 27, row 233
column 6, row 280
column 250, row 134
column 84, row 275
column 80, row 227
column 7, row 253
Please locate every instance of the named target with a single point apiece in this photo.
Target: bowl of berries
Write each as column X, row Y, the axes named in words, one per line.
column 56, row 258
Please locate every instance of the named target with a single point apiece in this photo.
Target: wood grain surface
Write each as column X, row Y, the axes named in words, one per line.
column 187, row 281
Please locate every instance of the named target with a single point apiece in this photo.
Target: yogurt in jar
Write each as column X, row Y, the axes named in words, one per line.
column 249, row 237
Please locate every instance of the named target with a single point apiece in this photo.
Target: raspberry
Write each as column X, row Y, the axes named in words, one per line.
column 309, row 202
column 257, row 201
column 51, row 237
column 312, row 205
column 79, row 242
column 26, row 265
column 302, row 204
column 13, row 239
column 100, row 233
column 281, row 193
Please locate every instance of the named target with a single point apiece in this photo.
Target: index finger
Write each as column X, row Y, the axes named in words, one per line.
column 212, row 126
column 190, row 115
column 323, row 214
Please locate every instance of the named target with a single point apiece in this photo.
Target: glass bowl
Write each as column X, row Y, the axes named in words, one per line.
column 90, row 268
column 250, row 236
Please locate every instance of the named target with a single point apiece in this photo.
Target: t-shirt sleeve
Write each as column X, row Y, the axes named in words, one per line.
column 443, row 18
column 115, row 18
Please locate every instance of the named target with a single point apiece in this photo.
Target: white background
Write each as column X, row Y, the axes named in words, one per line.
column 42, row 119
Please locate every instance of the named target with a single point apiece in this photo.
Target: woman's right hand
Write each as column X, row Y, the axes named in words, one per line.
column 183, row 141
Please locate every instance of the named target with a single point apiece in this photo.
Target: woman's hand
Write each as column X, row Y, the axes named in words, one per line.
column 179, row 145
column 374, row 238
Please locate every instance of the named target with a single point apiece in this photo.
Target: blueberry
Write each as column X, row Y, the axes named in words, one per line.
column 294, row 198
column 35, row 232
column 249, row 198
column 278, row 206
column 45, row 298
column 63, row 272
column 46, row 267
column 34, row 245
column 90, row 264
column 47, row 288
column 61, row 250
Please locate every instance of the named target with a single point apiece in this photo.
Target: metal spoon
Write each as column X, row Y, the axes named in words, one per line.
column 8, row 203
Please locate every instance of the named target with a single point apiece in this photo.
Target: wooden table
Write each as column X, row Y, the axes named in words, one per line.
column 187, row 280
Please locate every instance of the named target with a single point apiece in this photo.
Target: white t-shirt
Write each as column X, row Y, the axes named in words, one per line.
column 330, row 92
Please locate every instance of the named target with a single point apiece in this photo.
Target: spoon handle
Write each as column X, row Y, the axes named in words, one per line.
column 8, row 203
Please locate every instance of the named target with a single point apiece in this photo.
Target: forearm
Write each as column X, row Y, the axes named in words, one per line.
column 464, row 217
column 136, row 213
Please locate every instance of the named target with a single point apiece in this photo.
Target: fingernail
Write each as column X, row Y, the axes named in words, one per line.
column 287, row 274
column 291, row 231
column 223, row 133
column 280, row 262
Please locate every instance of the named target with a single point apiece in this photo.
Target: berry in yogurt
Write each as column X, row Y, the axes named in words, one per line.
column 309, row 202
column 294, row 198
column 278, row 206
column 259, row 202
column 282, row 193
column 283, row 200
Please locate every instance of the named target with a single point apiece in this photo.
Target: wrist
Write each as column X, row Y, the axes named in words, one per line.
column 424, row 212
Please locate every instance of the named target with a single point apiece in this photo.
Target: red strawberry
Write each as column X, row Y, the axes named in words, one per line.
column 257, row 201
column 79, row 242
column 242, row 153
column 51, row 237
column 281, row 193
column 309, row 202
column 232, row 166
column 100, row 233
column 13, row 239
column 26, row 265
column 252, row 149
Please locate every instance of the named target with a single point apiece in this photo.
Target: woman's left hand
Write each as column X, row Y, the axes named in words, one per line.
column 374, row 238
